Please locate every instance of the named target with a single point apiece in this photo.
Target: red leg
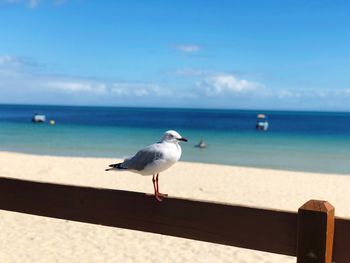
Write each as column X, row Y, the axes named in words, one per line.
column 154, row 185
column 160, row 194
column 156, row 193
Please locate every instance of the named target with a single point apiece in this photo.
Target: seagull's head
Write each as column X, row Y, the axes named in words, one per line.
column 172, row 136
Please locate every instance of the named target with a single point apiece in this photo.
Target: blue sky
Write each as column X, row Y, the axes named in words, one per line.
column 207, row 54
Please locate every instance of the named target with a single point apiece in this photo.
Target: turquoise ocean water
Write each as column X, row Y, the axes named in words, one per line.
column 301, row 141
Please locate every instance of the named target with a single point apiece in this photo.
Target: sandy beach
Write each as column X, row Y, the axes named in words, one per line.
column 26, row 238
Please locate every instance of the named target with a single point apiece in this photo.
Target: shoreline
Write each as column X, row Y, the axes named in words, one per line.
column 181, row 161
column 28, row 238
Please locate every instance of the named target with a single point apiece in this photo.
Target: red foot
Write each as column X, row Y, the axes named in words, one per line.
column 159, row 196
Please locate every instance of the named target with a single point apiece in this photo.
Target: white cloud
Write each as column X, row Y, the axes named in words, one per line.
column 23, row 81
column 188, row 72
column 33, row 3
column 309, row 93
column 11, row 66
column 59, row 2
column 222, row 84
column 138, row 89
column 189, row 48
column 83, row 87
column 4, row 2
column 287, row 94
column 7, row 60
column 322, row 94
column 347, row 92
column 29, row 3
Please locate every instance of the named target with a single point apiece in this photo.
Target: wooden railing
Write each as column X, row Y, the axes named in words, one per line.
column 307, row 235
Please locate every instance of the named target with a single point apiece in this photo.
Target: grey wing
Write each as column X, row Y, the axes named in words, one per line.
column 142, row 158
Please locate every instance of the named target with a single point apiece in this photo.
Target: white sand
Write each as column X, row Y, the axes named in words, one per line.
column 25, row 238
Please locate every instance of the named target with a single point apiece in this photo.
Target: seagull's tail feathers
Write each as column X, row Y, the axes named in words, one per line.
column 116, row 166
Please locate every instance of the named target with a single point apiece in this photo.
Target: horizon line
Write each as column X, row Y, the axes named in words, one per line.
column 180, row 107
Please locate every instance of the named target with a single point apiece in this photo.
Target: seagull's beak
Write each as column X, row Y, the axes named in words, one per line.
column 182, row 139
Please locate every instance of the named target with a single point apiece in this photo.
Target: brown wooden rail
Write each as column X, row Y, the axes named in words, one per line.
column 246, row 227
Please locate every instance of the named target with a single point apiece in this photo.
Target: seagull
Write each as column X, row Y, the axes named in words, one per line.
column 154, row 159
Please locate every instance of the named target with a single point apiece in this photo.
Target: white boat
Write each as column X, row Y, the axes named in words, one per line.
column 201, row 144
column 261, row 122
column 39, row 118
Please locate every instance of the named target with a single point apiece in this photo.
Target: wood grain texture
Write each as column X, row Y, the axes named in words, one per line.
column 341, row 246
column 259, row 229
column 315, row 232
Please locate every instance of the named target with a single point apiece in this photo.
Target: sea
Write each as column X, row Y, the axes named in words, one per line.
column 296, row 140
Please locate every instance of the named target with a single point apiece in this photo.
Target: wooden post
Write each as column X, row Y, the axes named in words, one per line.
column 315, row 232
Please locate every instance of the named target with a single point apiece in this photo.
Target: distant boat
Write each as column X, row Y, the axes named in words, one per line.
column 201, row 144
column 38, row 118
column 261, row 122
